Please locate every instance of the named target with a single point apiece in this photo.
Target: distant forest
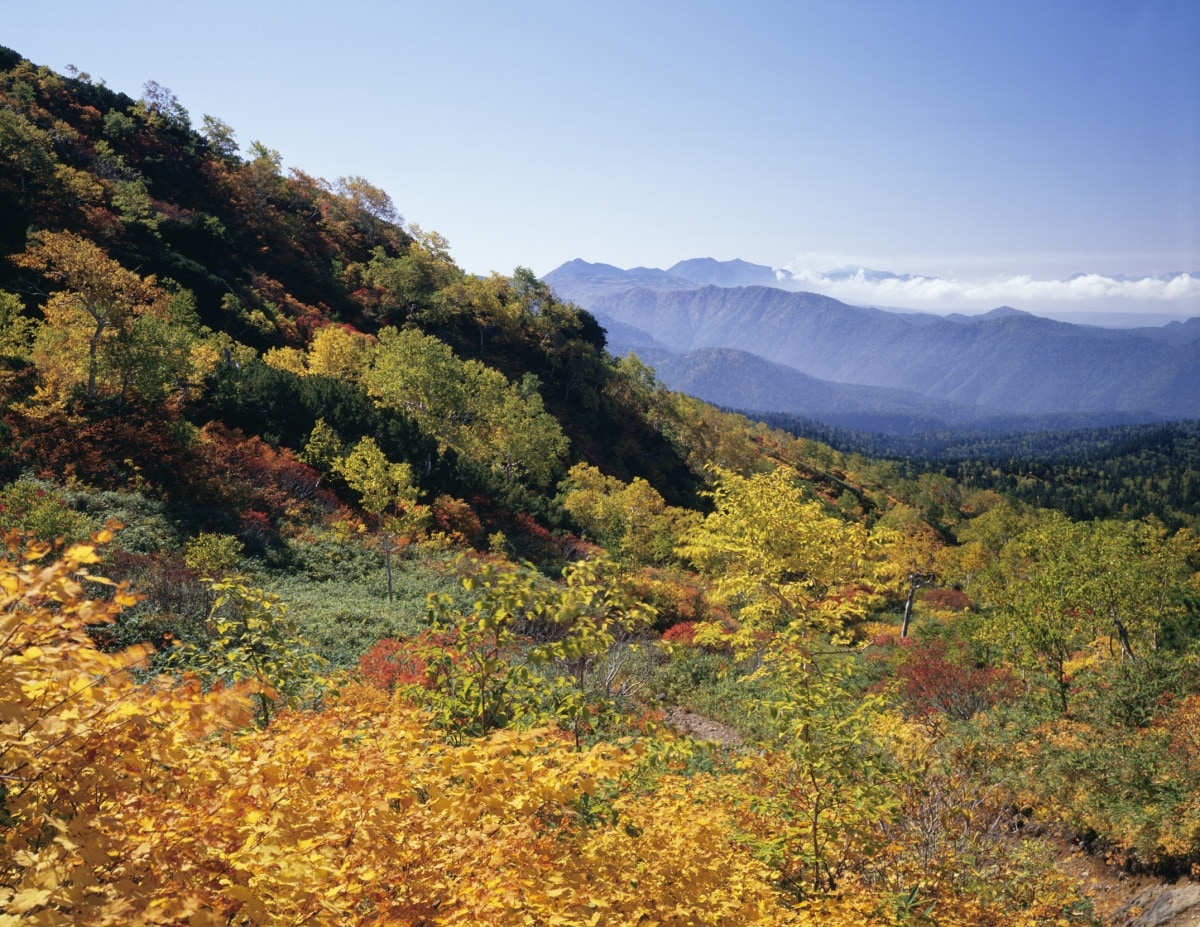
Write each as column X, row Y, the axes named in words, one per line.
column 1122, row 471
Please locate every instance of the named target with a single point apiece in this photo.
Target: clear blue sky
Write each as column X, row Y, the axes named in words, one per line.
column 977, row 143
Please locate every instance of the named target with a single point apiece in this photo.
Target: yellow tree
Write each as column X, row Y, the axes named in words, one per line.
column 980, row 541
column 98, row 302
column 381, row 485
column 79, row 737
column 911, row 552
column 16, row 330
column 793, row 570
column 629, row 519
column 1059, row 585
column 338, row 352
column 108, row 329
column 334, row 351
column 1136, row 579
column 829, row 782
column 779, row 557
column 486, row 682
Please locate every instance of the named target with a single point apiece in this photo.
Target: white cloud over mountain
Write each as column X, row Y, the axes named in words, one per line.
column 1173, row 293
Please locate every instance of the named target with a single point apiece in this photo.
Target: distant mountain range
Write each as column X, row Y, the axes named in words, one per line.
column 736, row 334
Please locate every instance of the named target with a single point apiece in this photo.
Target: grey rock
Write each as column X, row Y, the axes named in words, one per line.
column 1162, row 906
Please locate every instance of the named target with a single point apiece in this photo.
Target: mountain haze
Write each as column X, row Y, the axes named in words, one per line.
column 737, row 379
column 1005, row 362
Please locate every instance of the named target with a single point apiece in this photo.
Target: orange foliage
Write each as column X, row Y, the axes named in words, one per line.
column 683, row 633
column 252, row 476
column 106, row 452
column 393, row 663
column 159, row 805
column 457, row 520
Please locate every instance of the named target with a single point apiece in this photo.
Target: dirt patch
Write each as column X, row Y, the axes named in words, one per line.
column 701, row 727
column 1125, row 900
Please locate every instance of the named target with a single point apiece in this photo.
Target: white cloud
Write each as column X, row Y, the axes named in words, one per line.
column 1178, row 292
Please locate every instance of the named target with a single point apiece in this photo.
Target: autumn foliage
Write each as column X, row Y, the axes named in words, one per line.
column 393, row 663
column 280, row 381
column 163, row 804
column 159, row 805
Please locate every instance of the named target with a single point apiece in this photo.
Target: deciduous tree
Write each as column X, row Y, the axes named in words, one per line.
column 381, row 485
column 777, row 556
column 467, row 406
column 109, row 330
column 631, row 520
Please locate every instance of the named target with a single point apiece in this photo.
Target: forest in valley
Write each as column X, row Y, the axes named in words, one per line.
column 340, row 586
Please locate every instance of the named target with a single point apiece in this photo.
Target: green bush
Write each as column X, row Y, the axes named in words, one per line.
column 344, row 618
column 212, row 555
column 149, row 529
column 38, row 508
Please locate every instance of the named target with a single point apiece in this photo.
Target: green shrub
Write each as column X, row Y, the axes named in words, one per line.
column 148, row 528
column 38, row 508
column 212, row 555
column 344, row 618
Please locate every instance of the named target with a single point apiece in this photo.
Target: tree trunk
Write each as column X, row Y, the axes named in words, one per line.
column 915, row 582
column 1123, row 637
column 908, row 607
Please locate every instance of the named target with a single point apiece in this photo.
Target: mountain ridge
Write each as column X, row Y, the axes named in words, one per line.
column 1006, row 362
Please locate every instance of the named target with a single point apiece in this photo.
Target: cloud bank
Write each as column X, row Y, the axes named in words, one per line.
column 1173, row 293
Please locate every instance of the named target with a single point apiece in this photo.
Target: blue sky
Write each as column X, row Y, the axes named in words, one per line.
column 996, row 149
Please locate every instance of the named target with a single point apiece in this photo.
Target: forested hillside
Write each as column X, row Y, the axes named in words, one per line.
column 1124, row 472
column 340, row 586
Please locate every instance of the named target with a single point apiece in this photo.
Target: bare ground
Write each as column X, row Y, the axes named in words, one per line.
column 1122, row 899
column 701, row 727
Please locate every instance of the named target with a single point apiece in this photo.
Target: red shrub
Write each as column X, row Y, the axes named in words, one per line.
column 396, row 662
column 248, row 473
column 109, row 451
column 457, row 519
column 934, row 682
column 946, row 599
column 254, row 529
column 683, row 633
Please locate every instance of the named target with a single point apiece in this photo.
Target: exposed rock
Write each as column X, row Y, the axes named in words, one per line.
column 1162, row 906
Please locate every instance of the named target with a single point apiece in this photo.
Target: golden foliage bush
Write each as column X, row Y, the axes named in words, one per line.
column 132, row 803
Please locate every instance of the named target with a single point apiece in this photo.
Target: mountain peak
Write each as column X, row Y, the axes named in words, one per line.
column 1003, row 312
column 580, row 266
column 709, row 271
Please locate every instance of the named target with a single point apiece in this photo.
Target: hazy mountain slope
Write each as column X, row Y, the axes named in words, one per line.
column 582, row 282
column 738, row 380
column 1174, row 332
column 1015, row 363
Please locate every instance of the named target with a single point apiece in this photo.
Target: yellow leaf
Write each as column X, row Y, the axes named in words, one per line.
column 82, row 553
column 29, row 899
